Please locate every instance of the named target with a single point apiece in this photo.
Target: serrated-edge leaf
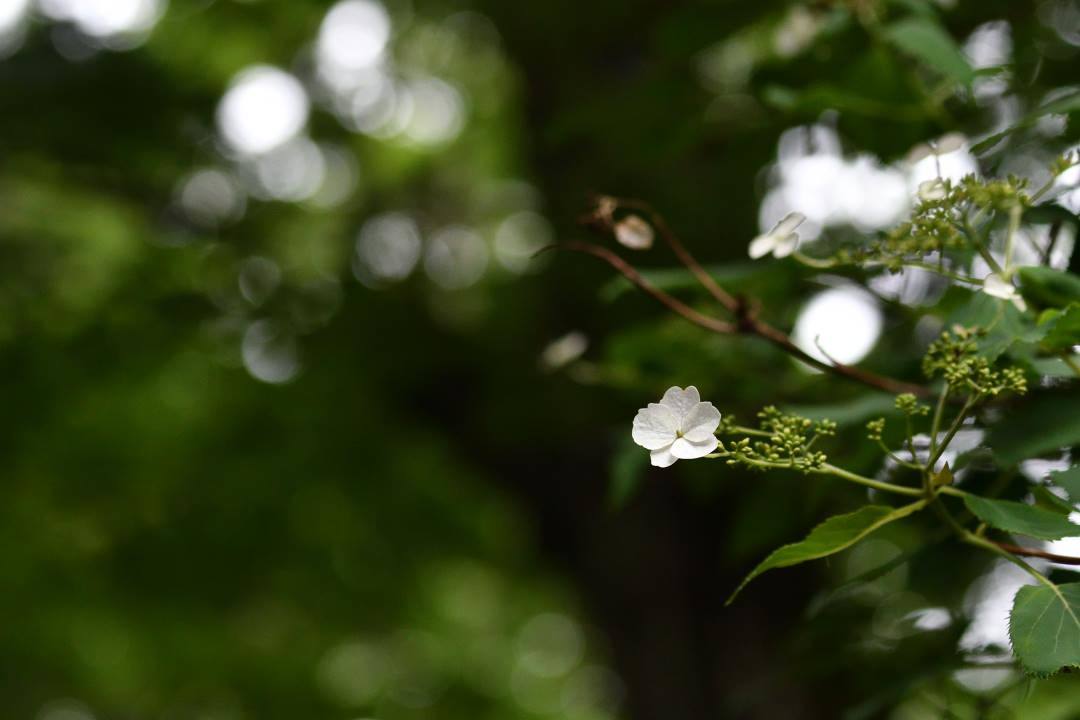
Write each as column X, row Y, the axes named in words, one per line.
column 1048, row 500
column 1069, row 481
column 1063, row 328
column 1041, row 618
column 1016, row 517
column 1045, row 423
column 833, row 535
column 1047, row 286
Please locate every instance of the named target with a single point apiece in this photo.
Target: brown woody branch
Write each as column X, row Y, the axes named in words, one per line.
column 1032, row 552
column 743, row 310
column 730, row 303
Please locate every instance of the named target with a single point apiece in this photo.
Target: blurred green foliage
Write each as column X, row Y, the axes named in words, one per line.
column 412, row 519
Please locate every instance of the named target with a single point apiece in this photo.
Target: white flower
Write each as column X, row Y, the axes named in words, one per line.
column 781, row 240
column 999, row 287
column 932, row 190
column 679, row 427
column 560, row 353
column 942, row 146
column 634, row 233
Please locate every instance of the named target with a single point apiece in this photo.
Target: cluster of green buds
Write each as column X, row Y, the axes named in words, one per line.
column 910, row 405
column 955, row 357
column 789, row 443
column 875, row 429
column 946, row 218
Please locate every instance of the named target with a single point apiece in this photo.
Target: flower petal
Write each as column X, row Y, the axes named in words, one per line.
column 786, row 245
column 762, row 245
column 998, row 287
column 680, row 401
column 686, row 450
column 662, row 457
column 700, row 423
column 932, row 190
column 655, row 426
column 949, row 143
column 788, row 224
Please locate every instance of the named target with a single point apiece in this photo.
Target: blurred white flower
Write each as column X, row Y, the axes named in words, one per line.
column 942, row 146
column 999, row 287
column 781, row 241
column 634, row 233
column 932, row 190
column 564, row 351
column 679, row 427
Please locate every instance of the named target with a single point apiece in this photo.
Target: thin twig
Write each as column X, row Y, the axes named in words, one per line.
column 1033, row 552
column 747, row 324
column 722, row 296
column 678, row 306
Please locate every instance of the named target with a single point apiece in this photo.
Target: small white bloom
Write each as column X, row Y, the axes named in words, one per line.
column 942, row 146
column 999, row 287
column 634, row 233
column 560, row 353
column 932, row 190
column 781, row 241
column 679, row 427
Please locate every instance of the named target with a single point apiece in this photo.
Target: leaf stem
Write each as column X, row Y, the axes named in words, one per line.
column 829, row 469
column 931, row 267
column 1071, row 362
column 935, row 424
column 740, row 430
column 973, row 539
column 957, row 423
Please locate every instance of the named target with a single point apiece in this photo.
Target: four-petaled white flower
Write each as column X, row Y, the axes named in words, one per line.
column 781, row 241
column 932, row 190
column 679, row 427
column 999, row 287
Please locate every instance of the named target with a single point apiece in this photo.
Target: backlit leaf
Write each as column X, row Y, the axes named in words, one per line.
column 835, row 534
column 1016, row 517
column 1044, row 627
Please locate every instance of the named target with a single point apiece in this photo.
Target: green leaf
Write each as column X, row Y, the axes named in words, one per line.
column 1016, row 517
column 1069, row 481
column 1044, row 627
column 818, row 98
column 1004, row 324
column 1052, row 367
column 927, row 41
column 1063, row 105
column 628, row 467
column 1049, row 500
column 1063, row 328
column 679, row 278
column 849, row 412
column 1046, row 286
column 1051, row 214
column 835, row 534
column 1045, row 422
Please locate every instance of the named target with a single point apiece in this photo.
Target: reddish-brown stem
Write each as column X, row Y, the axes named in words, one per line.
column 730, row 303
column 1032, row 552
column 747, row 324
column 785, row 343
column 672, row 303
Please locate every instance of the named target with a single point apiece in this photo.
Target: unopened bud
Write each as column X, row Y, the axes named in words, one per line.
column 634, row 233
